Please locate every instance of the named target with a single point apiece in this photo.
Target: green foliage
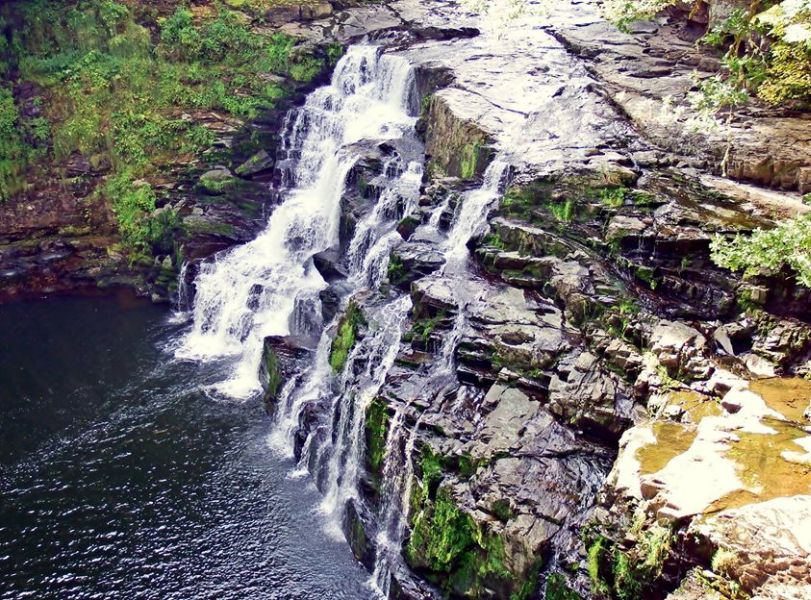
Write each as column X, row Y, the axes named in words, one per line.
column 556, row 589
column 344, row 340
column 613, row 197
column 631, row 574
column 334, row 53
column 431, row 467
column 273, row 372
column 114, row 95
column 788, row 76
column 596, row 557
column 446, row 542
column 423, row 329
column 562, row 211
column 766, row 252
column 442, row 535
column 396, row 272
column 768, row 52
column 12, row 149
column 625, row 12
column 134, row 203
column 377, row 426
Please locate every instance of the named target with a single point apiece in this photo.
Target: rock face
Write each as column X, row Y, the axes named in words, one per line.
column 649, row 75
column 577, row 402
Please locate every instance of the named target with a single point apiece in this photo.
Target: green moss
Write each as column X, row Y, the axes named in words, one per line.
column 494, row 239
column 273, row 373
column 216, row 184
column 425, row 105
column 469, row 159
column 646, row 274
column 423, row 328
column 597, row 558
column 562, row 211
column 613, row 197
column 431, row 467
column 556, row 589
column 377, row 426
column 467, row 466
column 629, row 574
column 447, row 544
column 502, row 510
column 345, row 338
column 396, row 271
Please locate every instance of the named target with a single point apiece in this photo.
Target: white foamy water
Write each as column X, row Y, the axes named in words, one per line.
column 256, row 289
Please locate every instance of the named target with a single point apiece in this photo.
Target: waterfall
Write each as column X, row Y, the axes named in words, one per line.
column 377, row 352
column 181, row 300
column 262, row 287
column 270, row 286
column 471, row 216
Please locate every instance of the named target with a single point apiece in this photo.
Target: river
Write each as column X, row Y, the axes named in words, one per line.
column 121, row 478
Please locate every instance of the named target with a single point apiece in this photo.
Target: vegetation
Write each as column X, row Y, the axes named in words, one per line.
column 448, row 545
column 396, row 271
column 273, row 373
column 345, row 339
column 458, row 554
column 120, row 86
column 377, row 426
column 766, row 252
column 629, row 574
column 767, row 50
column 469, row 159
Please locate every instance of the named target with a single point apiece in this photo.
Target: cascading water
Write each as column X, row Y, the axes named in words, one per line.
column 377, row 351
column 366, row 261
column 398, row 466
column 255, row 290
column 270, row 286
column 472, row 215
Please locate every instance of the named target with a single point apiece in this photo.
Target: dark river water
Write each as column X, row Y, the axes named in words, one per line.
column 120, row 478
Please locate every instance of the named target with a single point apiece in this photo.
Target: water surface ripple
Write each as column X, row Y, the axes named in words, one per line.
column 120, row 478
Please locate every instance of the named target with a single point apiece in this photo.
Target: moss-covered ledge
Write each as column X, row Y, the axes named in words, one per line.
column 466, row 558
column 348, row 329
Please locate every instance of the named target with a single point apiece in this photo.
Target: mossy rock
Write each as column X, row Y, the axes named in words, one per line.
column 346, row 337
column 376, row 430
column 216, row 182
column 271, row 375
column 451, row 549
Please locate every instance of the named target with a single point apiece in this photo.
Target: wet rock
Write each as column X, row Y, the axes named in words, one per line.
column 766, row 546
column 592, row 399
column 329, row 265
column 781, row 341
column 282, row 358
column 680, row 349
column 359, row 532
column 413, row 260
column 456, row 144
column 260, row 165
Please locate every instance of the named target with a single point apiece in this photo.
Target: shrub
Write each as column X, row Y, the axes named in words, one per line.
column 766, row 252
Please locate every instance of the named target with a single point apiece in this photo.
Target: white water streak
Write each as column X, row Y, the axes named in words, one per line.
column 253, row 290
